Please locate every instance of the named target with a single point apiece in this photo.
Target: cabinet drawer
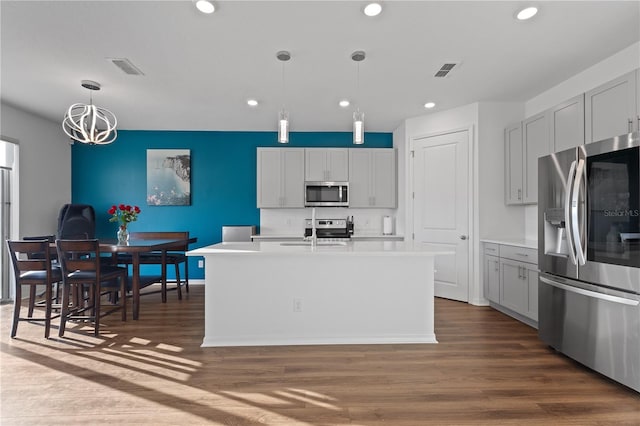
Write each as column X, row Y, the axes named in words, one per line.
column 492, row 249
column 521, row 254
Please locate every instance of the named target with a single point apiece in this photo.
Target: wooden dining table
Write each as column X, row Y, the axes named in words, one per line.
column 137, row 246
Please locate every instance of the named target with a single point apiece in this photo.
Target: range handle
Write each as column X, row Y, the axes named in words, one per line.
column 589, row 293
column 567, row 212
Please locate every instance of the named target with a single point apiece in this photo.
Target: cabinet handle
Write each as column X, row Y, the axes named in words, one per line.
column 497, row 265
column 522, row 254
column 519, row 272
column 630, row 125
column 519, row 194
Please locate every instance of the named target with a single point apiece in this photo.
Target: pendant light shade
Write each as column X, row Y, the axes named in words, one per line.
column 358, row 127
column 358, row 117
column 88, row 123
column 283, row 116
column 283, row 127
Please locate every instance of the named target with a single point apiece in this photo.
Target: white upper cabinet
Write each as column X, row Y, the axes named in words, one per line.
column 372, row 177
column 327, row 164
column 513, row 164
column 525, row 142
column 566, row 124
column 611, row 109
column 280, row 177
column 535, row 138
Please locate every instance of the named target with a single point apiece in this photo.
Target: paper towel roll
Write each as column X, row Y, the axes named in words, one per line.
column 387, row 225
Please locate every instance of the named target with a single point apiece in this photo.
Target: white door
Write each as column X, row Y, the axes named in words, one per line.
column 440, row 207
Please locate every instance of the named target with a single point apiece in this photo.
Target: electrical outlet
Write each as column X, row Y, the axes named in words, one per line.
column 297, row 305
column 200, row 263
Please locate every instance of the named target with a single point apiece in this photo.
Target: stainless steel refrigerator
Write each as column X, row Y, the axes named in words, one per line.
column 589, row 255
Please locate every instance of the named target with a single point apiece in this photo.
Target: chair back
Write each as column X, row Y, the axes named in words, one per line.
column 78, row 256
column 77, row 221
column 31, row 260
column 163, row 235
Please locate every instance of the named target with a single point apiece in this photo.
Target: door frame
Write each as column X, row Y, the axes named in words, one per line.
column 474, row 295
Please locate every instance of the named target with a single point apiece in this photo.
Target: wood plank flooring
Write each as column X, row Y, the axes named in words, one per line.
column 488, row 369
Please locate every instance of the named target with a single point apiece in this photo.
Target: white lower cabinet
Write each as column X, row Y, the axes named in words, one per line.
column 510, row 282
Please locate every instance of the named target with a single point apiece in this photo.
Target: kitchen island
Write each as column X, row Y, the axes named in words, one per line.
column 293, row 293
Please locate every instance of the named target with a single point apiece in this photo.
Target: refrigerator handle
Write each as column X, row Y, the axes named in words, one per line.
column 590, row 293
column 567, row 213
column 577, row 229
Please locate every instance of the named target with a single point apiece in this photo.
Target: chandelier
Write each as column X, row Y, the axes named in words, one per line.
column 88, row 123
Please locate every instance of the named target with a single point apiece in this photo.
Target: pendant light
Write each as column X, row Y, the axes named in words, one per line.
column 88, row 123
column 358, row 117
column 283, row 115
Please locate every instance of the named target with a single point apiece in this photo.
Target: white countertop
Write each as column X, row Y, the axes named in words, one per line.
column 355, row 237
column 366, row 248
column 518, row 242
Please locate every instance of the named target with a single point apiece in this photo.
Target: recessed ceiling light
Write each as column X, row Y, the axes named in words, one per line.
column 205, row 6
column 527, row 13
column 252, row 102
column 344, row 103
column 429, row 105
column 372, row 9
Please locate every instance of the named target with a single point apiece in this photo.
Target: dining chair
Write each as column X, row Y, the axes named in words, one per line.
column 175, row 256
column 82, row 269
column 32, row 267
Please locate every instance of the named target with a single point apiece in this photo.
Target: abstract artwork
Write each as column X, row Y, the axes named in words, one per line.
column 168, row 177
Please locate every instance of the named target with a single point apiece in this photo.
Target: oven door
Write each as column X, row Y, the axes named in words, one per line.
column 612, row 211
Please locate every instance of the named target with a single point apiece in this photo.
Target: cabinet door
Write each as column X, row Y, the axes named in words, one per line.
column 269, row 178
column 292, row 164
column 531, row 274
column 514, row 292
column 513, row 164
column 359, row 177
column 337, row 161
column 535, row 139
column 610, row 109
column 492, row 278
column 383, row 188
column 315, row 165
column 567, row 124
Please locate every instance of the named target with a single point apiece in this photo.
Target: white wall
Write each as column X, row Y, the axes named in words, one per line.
column 44, row 169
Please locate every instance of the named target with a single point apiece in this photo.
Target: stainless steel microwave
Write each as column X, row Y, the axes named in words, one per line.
column 326, row 194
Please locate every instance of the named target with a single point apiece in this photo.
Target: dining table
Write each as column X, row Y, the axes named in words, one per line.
column 136, row 246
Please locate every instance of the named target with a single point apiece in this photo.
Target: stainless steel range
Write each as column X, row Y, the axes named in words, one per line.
column 335, row 229
column 589, row 255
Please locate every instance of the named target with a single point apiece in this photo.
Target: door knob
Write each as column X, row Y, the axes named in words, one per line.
column 463, row 237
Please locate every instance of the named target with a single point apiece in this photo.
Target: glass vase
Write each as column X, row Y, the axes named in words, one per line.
column 123, row 234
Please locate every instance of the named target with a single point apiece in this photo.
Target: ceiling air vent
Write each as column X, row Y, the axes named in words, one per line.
column 126, row 66
column 445, row 69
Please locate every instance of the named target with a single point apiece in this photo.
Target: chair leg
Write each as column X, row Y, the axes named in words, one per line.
column 47, row 309
column 178, row 281
column 96, row 307
column 186, row 275
column 16, row 310
column 64, row 309
column 123, row 298
column 32, row 300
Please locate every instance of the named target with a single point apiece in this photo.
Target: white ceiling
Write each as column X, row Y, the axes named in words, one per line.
column 200, row 69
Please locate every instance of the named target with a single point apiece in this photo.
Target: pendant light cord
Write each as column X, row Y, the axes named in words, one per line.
column 284, row 94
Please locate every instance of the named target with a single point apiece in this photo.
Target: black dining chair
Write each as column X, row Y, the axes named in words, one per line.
column 32, row 267
column 84, row 272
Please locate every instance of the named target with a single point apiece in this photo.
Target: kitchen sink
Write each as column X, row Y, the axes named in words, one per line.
column 319, row 244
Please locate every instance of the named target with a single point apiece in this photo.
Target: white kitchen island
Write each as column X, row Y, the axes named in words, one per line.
column 273, row 293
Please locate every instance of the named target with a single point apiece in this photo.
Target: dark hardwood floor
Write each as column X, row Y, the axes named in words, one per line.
column 487, row 369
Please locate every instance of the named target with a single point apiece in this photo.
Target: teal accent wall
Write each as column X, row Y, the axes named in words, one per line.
column 223, row 178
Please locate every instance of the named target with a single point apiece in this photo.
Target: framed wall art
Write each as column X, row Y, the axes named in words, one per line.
column 168, row 177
